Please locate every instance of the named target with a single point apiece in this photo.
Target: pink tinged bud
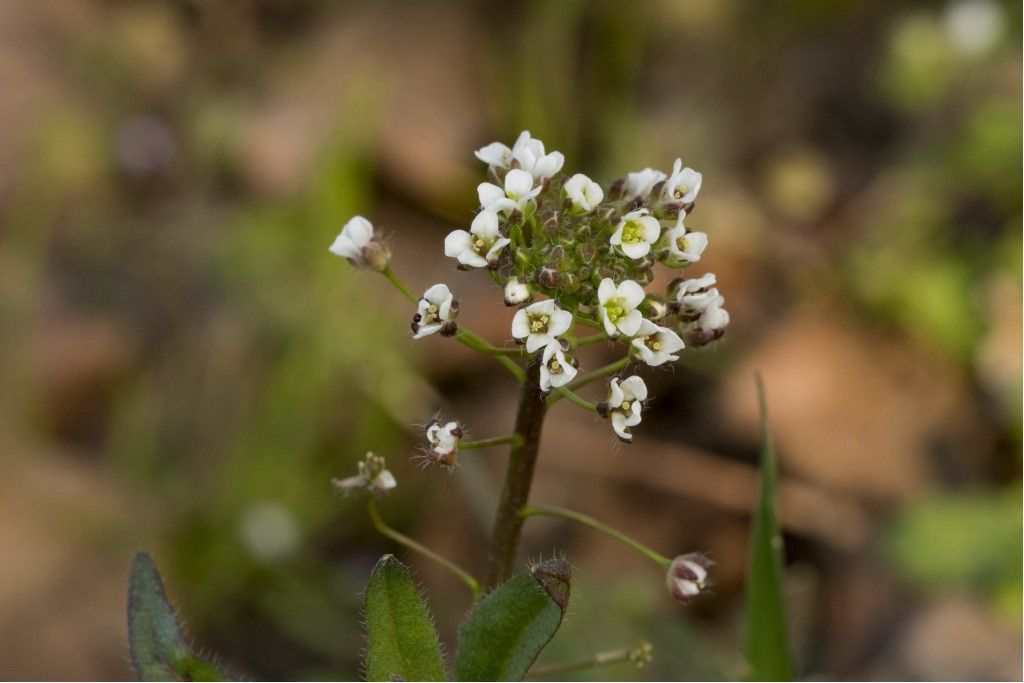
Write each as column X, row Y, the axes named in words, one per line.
column 688, row 576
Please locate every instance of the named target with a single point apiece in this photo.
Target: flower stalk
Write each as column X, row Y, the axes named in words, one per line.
column 513, row 439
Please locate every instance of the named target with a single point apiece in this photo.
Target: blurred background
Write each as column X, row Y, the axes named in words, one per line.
column 184, row 366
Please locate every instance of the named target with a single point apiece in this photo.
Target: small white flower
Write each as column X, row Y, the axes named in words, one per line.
column 373, row 476
column 687, row 576
column 583, row 193
column 655, row 344
column 709, row 325
column 531, row 158
column 540, row 323
column 358, row 244
column 498, row 155
column 516, row 195
column 640, row 184
column 625, row 401
column 444, row 441
column 618, row 306
column 636, row 232
column 436, row 312
column 479, row 247
column 683, row 185
column 516, row 292
column 694, row 295
column 683, row 247
column 556, row 369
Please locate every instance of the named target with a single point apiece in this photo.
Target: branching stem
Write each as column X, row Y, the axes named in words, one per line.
column 586, row 520
column 384, row 529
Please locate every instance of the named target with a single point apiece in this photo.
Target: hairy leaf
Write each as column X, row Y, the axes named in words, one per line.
column 159, row 650
column 509, row 628
column 401, row 640
column 765, row 636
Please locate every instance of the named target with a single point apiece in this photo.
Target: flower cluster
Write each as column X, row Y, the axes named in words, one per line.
column 567, row 252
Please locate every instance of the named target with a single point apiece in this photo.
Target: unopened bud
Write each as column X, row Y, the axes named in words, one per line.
column 654, row 308
column 516, row 292
column 688, row 576
column 444, row 442
column 549, row 278
column 361, row 246
column 615, row 189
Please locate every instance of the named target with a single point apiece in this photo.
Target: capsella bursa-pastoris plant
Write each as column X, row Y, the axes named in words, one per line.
column 575, row 261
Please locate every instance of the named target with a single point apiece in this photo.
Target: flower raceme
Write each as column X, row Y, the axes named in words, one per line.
column 569, row 253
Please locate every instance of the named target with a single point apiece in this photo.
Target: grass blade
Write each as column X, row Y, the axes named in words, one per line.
column 765, row 636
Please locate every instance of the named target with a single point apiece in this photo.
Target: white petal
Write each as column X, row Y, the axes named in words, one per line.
column 632, row 292
column 550, row 350
column 560, row 323
column 496, row 248
column 635, row 250
column 485, row 225
column 426, row 330
column 545, row 307
column 536, row 341
column 616, row 237
column 359, row 230
column 630, row 323
column 522, row 141
column 520, row 325
column 436, row 294
column 652, row 228
column 634, row 387
column 343, row 246
column 620, row 426
column 518, row 183
column 545, row 378
column 489, row 193
column 494, row 154
column 568, row 374
column 606, row 290
column 646, row 355
column 457, row 242
column 472, row 259
column 615, row 394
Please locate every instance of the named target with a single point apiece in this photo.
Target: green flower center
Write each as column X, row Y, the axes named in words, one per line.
column 633, row 232
column 539, row 323
column 653, row 343
column 555, row 367
column 480, row 246
column 680, row 191
column 615, row 309
column 682, row 244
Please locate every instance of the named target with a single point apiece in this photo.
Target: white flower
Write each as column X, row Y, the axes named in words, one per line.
column 444, row 441
column 683, row 185
column 556, row 369
column 583, row 193
column 373, row 476
column 360, row 246
column 687, row 576
column 683, row 247
column 625, row 401
column 709, row 325
column 636, row 232
column 436, row 312
column 618, row 306
column 640, row 184
column 656, row 344
column 498, row 155
column 480, row 246
column 694, row 295
column 540, row 323
column 531, row 158
column 516, row 292
column 517, row 193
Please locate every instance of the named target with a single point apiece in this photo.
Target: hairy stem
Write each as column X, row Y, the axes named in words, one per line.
column 586, row 520
column 515, row 493
column 639, row 655
column 402, row 539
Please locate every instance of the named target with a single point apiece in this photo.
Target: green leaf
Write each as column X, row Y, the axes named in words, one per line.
column 401, row 642
column 765, row 635
column 509, row 628
column 159, row 650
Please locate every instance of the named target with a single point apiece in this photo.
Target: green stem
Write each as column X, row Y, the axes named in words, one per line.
column 402, row 539
column 399, row 285
column 583, row 320
column 585, row 379
column 639, row 655
column 574, row 397
column 514, row 439
column 553, row 511
column 476, row 343
column 600, row 336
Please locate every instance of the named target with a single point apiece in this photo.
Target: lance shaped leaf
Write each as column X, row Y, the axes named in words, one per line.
column 401, row 642
column 508, row 629
column 159, row 649
column 765, row 637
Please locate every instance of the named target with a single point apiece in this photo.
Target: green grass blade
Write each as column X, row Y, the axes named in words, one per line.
column 400, row 638
column 765, row 636
column 508, row 629
column 159, row 649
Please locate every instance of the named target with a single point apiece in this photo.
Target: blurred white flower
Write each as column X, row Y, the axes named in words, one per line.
column 373, row 476
column 655, row 344
column 618, row 306
column 693, row 295
column 479, row 247
column 974, row 26
column 556, row 368
column 583, row 193
column 515, row 196
column 436, row 312
column 638, row 185
column 269, row 530
column 709, row 325
column 358, row 244
column 625, row 401
column 635, row 234
column 530, row 157
column 540, row 323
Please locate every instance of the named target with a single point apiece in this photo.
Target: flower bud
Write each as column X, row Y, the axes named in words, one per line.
column 709, row 326
column 615, row 189
column 444, row 442
column 688, row 576
column 654, row 308
column 516, row 292
column 549, row 278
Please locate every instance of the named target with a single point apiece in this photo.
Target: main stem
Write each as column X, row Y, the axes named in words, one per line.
column 518, row 477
